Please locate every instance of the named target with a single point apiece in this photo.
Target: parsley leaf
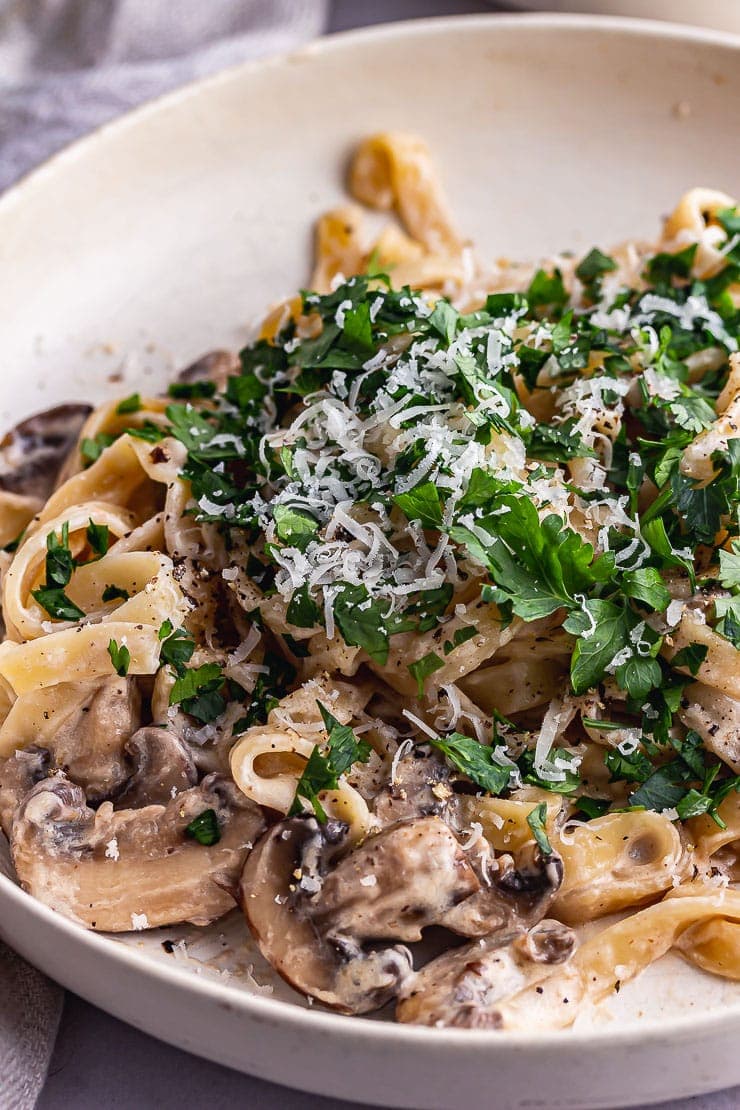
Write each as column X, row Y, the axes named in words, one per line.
column 537, row 566
column 459, row 636
column 92, row 449
column 59, row 560
column 591, row 808
column 204, row 828
column 129, row 404
column 57, row 604
column 664, row 789
column 647, row 586
column 362, row 621
column 691, row 657
column 547, row 290
column 322, row 771
column 594, row 265
column 727, row 610
column 603, row 630
column 120, row 657
column 303, row 612
column 198, row 692
column 177, row 648
column 729, row 567
column 59, row 567
column 421, row 503
column 423, row 667
column 628, row 766
column 566, row 785
column 115, row 593
column 444, row 320
column 536, row 819
column 294, row 527
column 474, row 760
column 663, row 267
column 98, row 537
column 190, row 391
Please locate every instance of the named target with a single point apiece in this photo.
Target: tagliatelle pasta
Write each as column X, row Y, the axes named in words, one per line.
column 423, row 612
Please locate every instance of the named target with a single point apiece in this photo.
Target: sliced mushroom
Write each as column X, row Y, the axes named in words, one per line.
column 419, row 788
column 288, row 863
column 134, row 868
column 395, row 884
column 33, row 453
column 19, row 774
column 514, row 893
column 216, row 366
column 163, row 766
column 90, row 745
column 716, row 717
column 508, row 981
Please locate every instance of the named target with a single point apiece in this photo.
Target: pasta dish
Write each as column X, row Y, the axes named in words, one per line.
column 418, row 618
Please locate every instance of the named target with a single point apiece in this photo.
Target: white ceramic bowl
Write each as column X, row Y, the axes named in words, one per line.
column 722, row 14
column 164, row 233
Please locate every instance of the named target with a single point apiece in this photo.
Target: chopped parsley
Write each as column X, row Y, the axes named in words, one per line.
column 204, row 828
column 423, row 667
column 98, row 537
column 60, row 564
column 474, row 760
column 92, row 449
column 129, row 404
column 120, row 657
column 537, row 821
column 380, row 465
column 199, row 692
column 115, row 593
column 324, row 769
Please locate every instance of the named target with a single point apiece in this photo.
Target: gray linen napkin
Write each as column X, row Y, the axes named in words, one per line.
column 30, row 1007
column 66, row 66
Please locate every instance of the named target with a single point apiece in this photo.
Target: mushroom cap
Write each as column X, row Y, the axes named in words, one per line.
column 508, row 981
column 396, row 883
column 419, row 788
column 163, row 767
column 90, row 744
column 33, row 453
column 19, row 774
column 339, row 975
column 516, row 895
column 107, row 868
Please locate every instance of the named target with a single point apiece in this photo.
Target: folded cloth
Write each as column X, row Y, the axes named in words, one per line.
column 66, row 66
column 30, row 1007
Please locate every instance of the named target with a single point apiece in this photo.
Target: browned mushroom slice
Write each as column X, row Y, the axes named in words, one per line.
column 89, row 746
column 287, row 863
column 33, row 453
column 134, row 868
column 501, row 982
column 419, row 788
column 716, row 717
column 395, row 884
column 216, row 366
column 163, row 766
column 19, row 774
column 514, row 894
